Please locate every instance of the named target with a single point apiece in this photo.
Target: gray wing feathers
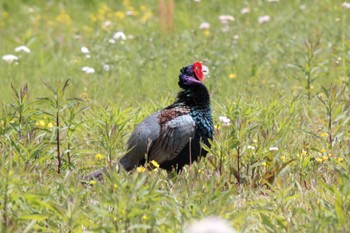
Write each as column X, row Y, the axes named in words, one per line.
column 144, row 133
column 174, row 136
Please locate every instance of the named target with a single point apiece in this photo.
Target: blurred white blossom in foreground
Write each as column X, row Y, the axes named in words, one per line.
column 346, row 5
column 88, row 70
column 264, row 19
column 22, row 48
column 9, row 58
column 210, row 225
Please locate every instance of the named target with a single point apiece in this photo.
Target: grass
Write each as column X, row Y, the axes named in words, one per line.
column 281, row 165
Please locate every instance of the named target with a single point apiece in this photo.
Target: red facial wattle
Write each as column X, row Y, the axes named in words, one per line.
column 197, row 70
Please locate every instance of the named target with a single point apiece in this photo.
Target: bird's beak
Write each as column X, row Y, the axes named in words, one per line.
column 205, row 71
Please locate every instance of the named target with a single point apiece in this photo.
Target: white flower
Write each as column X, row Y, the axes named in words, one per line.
column 225, row 19
column 264, row 19
column 9, row 58
column 346, row 5
column 111, row 41
column 84, row 50
column 236, row 37
column 226, row 121
column 197, row 0
column 302, row 7
column 106, row 67
column 119, row 36
column 251, row 147
column 107, row 23
column 210, row 225
column 204, row 26
column 273, row 0
column 88, row 70
column 22, row 48
column 273, row 148
column 245, row 10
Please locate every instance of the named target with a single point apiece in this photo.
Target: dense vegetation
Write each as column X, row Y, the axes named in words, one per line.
column 279, row 83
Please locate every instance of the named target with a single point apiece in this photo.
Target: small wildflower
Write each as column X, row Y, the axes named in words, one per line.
column 154, row 163
column 115, row 219
column 340, row 159
column 141, row 169
column 40, row 123
column 1, row 123
column 303, row 153
column 323, row 150
column 50, row 125
column 92, row 182
column 324, row 134
column 226, row 121
column 84, row 50
column 84, row 96
column 324, row 158
column 245, row 10
column 346, row 5
column 232, row 76
column 302, row 7
column 225, row 19
column 9, row 58
column 204, row 26
column 111, row 41
column 319, row 160
column 145, row 217
column 264, row 163
column 283, row 158
column 273, row 148
column 105, row 67
column 251, row 147
column 264, row 19
column 119, row 36
column 330, row 155
column 88, row 70
column 206, row 32
column 22, row 48
column 99, row 156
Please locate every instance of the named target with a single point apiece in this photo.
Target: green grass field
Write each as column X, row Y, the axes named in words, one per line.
column 279, row 71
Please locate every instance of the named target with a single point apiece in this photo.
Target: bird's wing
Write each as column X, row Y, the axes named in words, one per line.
column 140, row 140
column 174, row 136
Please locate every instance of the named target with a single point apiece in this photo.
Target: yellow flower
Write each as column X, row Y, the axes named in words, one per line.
column 232, row 76
column 92, row 182
column 264, row 163
column 50, row 125
column 141, row 169
column 119, row 15
column 12, row 121
column 323, row 150
column 63, row 18
column 340, row 159
column 145, row 217
column 115, row 219
column 324, row 134
column 154, row 163
column 206, row 32
column 1, row 123
column 330, row 155
column 319, row 160
column 303, row 153
column 115, row 186
column 40, row 123
column 99, row 156
column 324, row 158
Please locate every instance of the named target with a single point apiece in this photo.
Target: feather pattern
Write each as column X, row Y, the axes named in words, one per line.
column 173, row 136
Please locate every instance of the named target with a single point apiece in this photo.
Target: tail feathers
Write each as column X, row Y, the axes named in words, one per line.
column 96, row 175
